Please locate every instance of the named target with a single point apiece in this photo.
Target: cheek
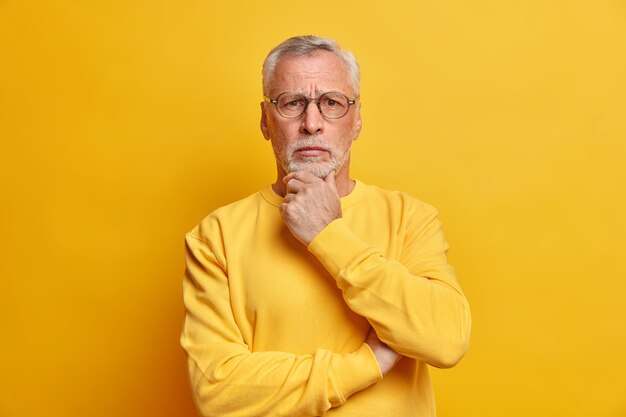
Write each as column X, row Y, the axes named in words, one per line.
column 280, row 129
column 349, row 133
column 279, row 138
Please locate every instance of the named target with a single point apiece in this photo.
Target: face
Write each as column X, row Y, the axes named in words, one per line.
column 311, row 142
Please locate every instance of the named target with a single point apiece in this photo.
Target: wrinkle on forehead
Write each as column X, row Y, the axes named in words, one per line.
column 312, row 83
column 311, row 75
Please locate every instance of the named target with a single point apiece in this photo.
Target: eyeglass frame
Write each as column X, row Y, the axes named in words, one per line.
column 309, row 100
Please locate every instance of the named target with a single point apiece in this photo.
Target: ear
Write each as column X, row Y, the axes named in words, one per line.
column 358, row 122
column 264, row 127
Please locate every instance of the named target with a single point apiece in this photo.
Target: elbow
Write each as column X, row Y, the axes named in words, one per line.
column 452, row 346
column 210, row 401
column 202, row 392
column 441, row 350
column 212, row 397
column 449, row 343
column 450, row 353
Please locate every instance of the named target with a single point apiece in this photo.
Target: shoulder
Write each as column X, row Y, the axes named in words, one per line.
column 396, row 200
column 227, row 215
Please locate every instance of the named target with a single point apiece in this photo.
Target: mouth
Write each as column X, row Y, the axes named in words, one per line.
column 311, row 151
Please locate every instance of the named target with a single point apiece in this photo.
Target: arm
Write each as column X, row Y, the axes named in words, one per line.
column 414, row 303
column 228, row 379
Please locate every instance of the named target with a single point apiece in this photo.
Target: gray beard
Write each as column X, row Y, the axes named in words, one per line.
column 320, row 170
column 312, row 164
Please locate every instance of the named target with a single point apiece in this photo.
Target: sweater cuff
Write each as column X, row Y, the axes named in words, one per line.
column 336, row 246
column 353, row 372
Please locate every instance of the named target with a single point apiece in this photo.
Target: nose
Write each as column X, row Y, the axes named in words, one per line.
column 312, row 120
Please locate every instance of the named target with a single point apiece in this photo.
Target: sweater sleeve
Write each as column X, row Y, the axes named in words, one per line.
column 414, row 303
column 228, row 379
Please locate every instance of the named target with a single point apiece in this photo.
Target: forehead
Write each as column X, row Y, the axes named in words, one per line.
column 320, row 71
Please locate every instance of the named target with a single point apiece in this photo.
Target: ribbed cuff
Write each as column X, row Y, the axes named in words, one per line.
column 353, row 372
column 336, row 246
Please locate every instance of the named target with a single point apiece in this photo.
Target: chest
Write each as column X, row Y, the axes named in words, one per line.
column 282, row 296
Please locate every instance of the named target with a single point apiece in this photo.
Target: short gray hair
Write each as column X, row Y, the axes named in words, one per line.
column 308, row 45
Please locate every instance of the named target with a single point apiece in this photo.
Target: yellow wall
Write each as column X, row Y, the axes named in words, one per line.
column 122, row 123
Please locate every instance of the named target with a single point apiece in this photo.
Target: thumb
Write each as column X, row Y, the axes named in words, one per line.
column 330, row 180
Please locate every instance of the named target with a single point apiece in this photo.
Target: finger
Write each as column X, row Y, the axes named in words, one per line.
column 372, row 338
column 303, row 176
column 289, row 197
column 294, row 186
column 283, row 209
column 286, row 208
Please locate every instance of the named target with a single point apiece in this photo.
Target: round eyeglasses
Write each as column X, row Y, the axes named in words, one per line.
column 332, row 105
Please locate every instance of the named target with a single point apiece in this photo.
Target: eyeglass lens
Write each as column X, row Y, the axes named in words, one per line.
column 332, row 105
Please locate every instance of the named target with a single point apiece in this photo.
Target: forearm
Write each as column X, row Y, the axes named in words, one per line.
column 419, row 313
column 416, row 316
column 229, row 380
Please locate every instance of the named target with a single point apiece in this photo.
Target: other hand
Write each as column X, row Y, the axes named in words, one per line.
column 387, row 358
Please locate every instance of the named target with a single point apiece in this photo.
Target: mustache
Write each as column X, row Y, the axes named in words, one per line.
column 309, row 142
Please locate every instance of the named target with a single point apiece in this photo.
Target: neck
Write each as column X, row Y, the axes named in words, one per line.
column 345, row 186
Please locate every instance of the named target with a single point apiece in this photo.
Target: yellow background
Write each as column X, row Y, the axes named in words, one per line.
column 123, row 123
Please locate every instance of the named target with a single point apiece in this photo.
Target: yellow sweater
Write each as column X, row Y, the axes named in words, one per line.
column 274, row 328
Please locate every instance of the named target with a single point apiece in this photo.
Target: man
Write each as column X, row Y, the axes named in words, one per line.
column 319, row 295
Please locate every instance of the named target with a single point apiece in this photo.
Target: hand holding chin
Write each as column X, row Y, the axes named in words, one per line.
column 310, row 204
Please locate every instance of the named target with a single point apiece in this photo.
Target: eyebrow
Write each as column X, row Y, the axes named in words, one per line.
column 318, row 93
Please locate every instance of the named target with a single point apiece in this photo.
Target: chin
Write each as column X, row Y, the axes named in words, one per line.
column 319, row 170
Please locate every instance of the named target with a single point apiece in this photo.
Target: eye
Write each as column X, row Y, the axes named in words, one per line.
column 333, row 100
column 292, row 102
